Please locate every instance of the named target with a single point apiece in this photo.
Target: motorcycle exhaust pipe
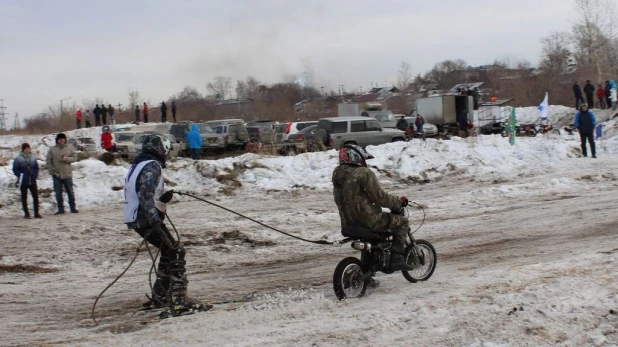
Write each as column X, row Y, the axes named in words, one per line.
column 361, row 246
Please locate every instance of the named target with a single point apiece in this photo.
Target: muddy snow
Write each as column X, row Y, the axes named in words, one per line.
column 525, row 236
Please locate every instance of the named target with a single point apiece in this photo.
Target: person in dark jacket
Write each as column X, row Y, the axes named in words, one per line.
column 589, row 91
column 26, row 168
column 145, row 111
column 104, row 114
column 463, row 123
column 163, row 112
column 144, row 212
column 585, row 123
column 360, row 199
column 194, row 139
column 97, row 115
column 174, row 111
column 137, row 114
column 608, row 94
column 579, row 97
column 111, row 111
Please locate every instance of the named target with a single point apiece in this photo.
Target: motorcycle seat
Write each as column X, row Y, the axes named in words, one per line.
column 357, row 233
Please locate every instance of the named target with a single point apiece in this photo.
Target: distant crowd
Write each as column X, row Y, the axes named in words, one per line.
column 605, row 95
column 100, row 114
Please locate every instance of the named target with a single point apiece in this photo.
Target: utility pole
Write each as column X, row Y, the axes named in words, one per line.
column 16, row 124
column 119, row 107
column 2, row 116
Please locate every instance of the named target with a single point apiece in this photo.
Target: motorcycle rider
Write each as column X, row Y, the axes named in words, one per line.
column 144, row 212
column 360, row 199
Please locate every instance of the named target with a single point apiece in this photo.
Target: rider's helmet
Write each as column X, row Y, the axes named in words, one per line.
column 157, row 145
column 354, row 155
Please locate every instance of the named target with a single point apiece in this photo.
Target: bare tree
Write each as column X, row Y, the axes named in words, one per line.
column 448, row 73
column 594, row 34
column 404, row 75
column 133, row 97
column 556, row 55
column 220, row 87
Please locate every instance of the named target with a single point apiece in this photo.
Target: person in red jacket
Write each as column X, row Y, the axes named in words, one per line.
column 78, row 118
column 601, row 95
column 145, row 111
column 107, row 140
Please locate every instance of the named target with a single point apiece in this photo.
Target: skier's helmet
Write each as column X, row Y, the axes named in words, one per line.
column 157, row 145
column 354, row 155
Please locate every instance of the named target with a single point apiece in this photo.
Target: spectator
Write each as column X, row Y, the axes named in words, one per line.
column 104, row 114
column 97, row 116
column 88, row 119
column 136, row 114
column 59, row 160
column 111, row 111
column 174, row 111
column 585, row 123
column 145, row 111
column 419, row 122
column 107, row 140
column 579, row 98
column 78, row 118
column 463, row 123
column 194, row 139
column 163, row 112
column 613, row 94
column 608, row 94
column 589, row 91
column 402, row 124
column 476, row 97
column 26, row 168
column 601, row 96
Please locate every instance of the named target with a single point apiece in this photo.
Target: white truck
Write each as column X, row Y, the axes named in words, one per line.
column 445, row 110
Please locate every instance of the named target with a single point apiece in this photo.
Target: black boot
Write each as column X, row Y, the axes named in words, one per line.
column 179, row 303
column 398, row 263
column 27, row 215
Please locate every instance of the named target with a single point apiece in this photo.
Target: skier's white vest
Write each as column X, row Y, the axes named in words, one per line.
column 131, row 199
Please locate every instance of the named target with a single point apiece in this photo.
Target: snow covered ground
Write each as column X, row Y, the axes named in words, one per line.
column 525, row 237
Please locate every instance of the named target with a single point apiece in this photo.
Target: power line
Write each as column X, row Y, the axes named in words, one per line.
column 2, row 116
column 16, row 124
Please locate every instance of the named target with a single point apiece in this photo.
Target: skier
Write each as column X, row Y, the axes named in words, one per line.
column 144, row 212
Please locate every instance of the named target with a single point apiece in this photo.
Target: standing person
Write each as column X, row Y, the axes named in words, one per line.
column 104, row 115
column 136, row 114
column 59, row 160
column 419, row 122
column 78, row 118
column 163, row 112
column 589, row 91
column 476, row 97
column 360, row 199
column 26, row 168
column 463, row 123
column 144, row 212
column 585, row 123
column 107, row 140
column 174, row 111
column 145, row 111
column 97, row 115
column 601, row 96
column 88, row 119
column 608, row 94
column 613, row 94
column 194, row 139
column 579, row 98
column 111, row 111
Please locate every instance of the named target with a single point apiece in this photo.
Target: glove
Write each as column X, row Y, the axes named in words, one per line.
column 404, row 201
column 167, row 196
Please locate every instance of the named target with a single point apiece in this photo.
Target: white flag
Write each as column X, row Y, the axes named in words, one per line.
column 544, row 107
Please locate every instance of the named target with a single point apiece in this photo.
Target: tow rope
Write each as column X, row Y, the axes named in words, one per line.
column 318, row 242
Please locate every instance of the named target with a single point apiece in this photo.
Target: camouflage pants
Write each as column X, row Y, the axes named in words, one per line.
column 398, row 226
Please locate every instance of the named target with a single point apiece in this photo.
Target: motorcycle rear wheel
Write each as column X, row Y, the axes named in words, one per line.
column 424, row 263
column 348, row 279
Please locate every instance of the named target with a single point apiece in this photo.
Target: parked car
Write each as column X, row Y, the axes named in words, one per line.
column 302, row 141
column 87, row 144
column 362, row 131
column 233, row 132
column 211, row 141
column 284, row 130
column 429, row 129
column 125, row 141
column 386, row 118
column 262, row 131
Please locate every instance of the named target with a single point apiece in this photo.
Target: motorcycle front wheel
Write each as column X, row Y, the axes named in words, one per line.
column 348, row 279
column 424, row 262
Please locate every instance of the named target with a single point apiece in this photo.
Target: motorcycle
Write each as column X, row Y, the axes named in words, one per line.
column 352, row 276
column 526, row 130
column 545, row 128
column 570, row 129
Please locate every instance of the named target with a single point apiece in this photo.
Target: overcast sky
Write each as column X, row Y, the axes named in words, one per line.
column 83, row 49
